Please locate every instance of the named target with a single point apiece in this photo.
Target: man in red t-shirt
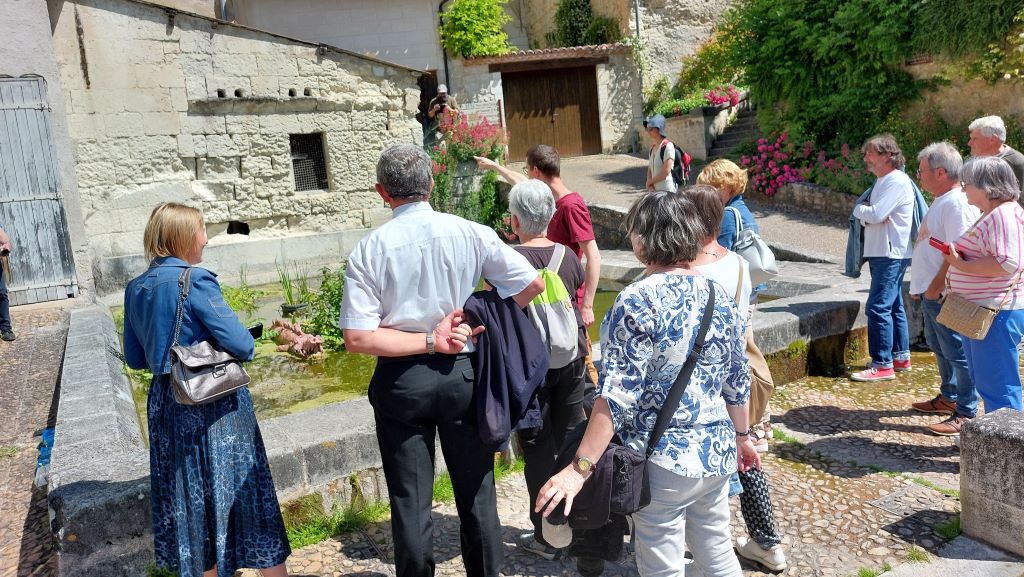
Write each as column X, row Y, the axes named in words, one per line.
column 571, row 224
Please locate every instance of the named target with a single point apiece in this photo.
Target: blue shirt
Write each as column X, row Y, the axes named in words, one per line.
column 727, row 234
column 646, row 337
column 150, row 303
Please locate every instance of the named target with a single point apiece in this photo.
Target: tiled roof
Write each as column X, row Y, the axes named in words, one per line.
column 551, row 53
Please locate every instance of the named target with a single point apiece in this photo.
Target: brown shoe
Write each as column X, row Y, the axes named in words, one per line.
column 949, row 427
column 939, row 405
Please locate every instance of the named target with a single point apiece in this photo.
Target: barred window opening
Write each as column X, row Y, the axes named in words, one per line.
column 308, row 162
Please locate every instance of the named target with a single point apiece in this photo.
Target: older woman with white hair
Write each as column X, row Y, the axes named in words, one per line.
column 988, row 138
column 561, row 398
column 986, row 265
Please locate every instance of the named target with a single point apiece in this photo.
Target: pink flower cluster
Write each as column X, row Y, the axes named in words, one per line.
column 457, row 130
column 722, row 94
column 768, row 167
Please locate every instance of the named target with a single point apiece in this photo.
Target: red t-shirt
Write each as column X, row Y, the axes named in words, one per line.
column 570, row 226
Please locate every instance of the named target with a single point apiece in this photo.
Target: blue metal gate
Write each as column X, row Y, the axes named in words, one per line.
column 41, row 265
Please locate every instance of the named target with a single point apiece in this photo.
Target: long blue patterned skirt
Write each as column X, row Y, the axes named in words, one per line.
column 213, row 497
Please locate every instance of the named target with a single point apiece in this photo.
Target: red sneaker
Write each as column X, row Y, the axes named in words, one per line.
column 873, row 374
column 900, row 366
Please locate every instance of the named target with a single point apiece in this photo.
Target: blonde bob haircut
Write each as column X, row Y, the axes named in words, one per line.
column 172, row 230
column 725, row 176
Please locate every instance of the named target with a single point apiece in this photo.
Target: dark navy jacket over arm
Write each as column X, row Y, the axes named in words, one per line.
column 510, row 363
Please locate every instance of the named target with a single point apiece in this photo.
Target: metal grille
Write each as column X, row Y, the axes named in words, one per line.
column 308, row 163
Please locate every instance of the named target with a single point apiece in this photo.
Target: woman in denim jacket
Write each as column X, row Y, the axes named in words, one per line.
column 214, row 505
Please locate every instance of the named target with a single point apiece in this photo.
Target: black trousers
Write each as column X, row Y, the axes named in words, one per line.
column 5, row 311
column 415, row 401
column 561, row 406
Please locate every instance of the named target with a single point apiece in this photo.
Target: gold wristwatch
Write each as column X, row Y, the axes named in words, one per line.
column 583, row 465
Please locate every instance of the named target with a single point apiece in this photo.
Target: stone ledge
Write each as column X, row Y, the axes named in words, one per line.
column 992, row 479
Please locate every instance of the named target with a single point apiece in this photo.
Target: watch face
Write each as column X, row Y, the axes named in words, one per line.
column 584, row 464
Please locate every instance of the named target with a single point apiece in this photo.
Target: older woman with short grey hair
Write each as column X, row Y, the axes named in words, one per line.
column 986, row 266
column 561, row 398
column 646, row 338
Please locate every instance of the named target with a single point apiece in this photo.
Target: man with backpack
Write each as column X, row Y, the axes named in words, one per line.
column 668, row 165
column 555, row 313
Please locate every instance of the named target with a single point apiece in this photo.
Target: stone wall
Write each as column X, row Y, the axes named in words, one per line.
column 164, row 106
column 672, row 29
column 477, row 90
column 539, row 17
column 961, row 101
column 696, row 131
column 992, row 479
column 619, row 102
column 27, row 51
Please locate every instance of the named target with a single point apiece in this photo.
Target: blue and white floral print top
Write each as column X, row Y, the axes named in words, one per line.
column 646, row 337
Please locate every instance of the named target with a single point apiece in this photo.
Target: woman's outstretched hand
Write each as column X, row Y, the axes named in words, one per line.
column 564, row 486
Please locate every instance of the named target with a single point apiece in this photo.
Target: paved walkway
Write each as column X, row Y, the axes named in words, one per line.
column 29, row 371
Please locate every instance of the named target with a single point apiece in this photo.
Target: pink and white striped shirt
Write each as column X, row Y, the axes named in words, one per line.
column 999, row 233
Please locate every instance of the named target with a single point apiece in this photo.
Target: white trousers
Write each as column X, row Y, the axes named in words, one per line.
column 685, row 513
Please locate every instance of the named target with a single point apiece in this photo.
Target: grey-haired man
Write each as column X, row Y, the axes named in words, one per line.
column 405, row 286
column 988, row 138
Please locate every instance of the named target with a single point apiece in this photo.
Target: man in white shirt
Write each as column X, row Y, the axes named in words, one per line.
column 662, row 156
column 988, row 138
column 405, row 286
column 949, row 217
column 887, row 214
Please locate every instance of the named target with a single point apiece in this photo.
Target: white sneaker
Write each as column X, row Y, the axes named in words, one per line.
column 774, row 559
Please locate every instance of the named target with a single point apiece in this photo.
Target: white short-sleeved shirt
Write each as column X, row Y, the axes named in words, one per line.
column 726, row 272
column 948, row 218
column 656, row 163
column 888, row 217
column 421, row 265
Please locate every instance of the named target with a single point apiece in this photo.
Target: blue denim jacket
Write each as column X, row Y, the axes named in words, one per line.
column 727, row 232
column 150, row 303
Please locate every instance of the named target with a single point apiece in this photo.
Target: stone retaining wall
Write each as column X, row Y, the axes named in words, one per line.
column 696, row 131
column 812, row 197
column 992, row 479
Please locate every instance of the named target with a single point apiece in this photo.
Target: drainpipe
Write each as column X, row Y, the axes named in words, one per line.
column 640, row 73
column 444, row 53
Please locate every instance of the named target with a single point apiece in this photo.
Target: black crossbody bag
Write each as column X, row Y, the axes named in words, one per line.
column 619, row 483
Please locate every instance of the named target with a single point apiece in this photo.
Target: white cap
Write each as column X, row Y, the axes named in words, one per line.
column 441, row 88
column 558, row 536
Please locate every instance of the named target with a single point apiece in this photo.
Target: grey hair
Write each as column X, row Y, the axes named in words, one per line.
column 989, row 126
column 945, row 156
column 885, row 144
column 405, row 171
column 992, row 175
column 667, row 227
column 531, row 202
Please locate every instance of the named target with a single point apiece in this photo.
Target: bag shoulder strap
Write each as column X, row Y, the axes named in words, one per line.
column 184, row 284
column 664, row 144
column 739, row 278
column 736, row 217
column 679, row 386
column 557, row 255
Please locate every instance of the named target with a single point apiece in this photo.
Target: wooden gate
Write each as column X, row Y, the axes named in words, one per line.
column 556, row 107
column 41, row 265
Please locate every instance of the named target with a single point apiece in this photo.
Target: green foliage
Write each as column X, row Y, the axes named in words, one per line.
column 572, row 18
column 655, row 94
column 322, row 527
column 711, row 65
column 602, row 30
column 6, row 452
column 444, row 493
column 475, row 28
column 153, row 571
column 916, row 554
column 242, row 299
column 950, row 28
column 950, row 529
column 325, row 308
column 834, row 69
column 679, row 106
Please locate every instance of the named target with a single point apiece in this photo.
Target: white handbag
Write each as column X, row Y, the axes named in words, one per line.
column 755, row 251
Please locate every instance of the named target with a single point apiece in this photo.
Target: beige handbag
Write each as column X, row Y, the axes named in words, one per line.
column 969, row 319
column 201, row 373
column 761, row 383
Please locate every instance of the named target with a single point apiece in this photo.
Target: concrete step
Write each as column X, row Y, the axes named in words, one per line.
column 964, row 556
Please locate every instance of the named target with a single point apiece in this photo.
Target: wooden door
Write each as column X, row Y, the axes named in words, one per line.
column 556, row 107
column 31, row 210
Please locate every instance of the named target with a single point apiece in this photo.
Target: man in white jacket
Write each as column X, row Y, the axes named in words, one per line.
column 887, row 215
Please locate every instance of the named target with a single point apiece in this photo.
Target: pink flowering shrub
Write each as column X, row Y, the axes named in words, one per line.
column 723, row 94
column 777, row 161
column 460, row 141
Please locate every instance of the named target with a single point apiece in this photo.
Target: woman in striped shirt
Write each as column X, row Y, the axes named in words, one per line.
column 985, row 268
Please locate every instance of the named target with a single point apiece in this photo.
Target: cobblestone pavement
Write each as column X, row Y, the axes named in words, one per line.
column 856, row 481
column 29, row 369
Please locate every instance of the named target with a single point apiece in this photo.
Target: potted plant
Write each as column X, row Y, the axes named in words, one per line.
column 292, row 289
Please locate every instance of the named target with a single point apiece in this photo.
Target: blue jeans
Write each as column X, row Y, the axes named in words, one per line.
column 957, row 385
column 5, row 305
column 888, row 334
column 994, row 362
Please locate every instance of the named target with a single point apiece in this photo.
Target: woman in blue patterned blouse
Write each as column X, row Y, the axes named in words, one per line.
column 646, row 337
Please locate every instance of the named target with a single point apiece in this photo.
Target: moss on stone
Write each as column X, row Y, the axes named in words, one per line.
column 302, row 511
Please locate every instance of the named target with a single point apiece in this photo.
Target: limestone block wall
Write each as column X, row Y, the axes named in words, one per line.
column 164, row 106
column 619, row 103
column 961, row 101
column 477, row 89
column 672, row 29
